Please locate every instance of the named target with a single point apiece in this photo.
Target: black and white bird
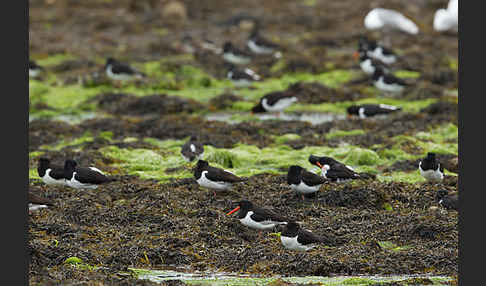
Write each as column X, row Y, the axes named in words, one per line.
column 376, row 51
column 241, row 77
column 369, row 110
column 234, row 55
column 261, row 46
column 446, row 200
column 368, row 65
column 192, row 149
column 387, row 19
column 36, row 202
column 333, row 170
column 256, row 217
column 51, row 174
column 431, row 169
column 82, row 177
column 294, row 237
column 34, row 69
column 120, row 71
column 274, row 102
column 303, row 181
column 214, row 178
column 388, row 82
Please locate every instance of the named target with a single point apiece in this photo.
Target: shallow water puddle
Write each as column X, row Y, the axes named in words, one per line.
column 232, row 279
column 69, row 118
column 313, row 118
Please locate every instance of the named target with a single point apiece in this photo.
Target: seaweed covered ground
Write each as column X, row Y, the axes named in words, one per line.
column 155, row 216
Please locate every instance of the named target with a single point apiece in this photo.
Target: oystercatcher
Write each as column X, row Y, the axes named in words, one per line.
column 34, row 69
column 446, row 200
column 83, row 178
column 447, row 19
column 214, row 178
column 274, row 102
column 375, row 51
column 388, row 82
column 303, row 181
column 333, row 170
column 379, row 18
column 36, row 202
column 261, row 46
column 234, row 55
column 431, row 169
column 192, row 149
column 51, row 174
column 120, row 71
column 294, row 237
column 257, row 218
column 367, row 64
column 241, row 77
column 368, row 110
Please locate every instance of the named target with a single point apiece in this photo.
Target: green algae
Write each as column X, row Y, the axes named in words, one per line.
column 286, row 138
column 53, row 60
column 341, row 133
column 65, row 142
column 406, row 74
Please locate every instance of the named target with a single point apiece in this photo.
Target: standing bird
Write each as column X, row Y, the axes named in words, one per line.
column 431, row 169
column 294, row 237
column 83, row 178
column 261, row 46
column 369, row 110
column 234, row 55
column 274, row 102
column 388, row 82
column 120, row 71
column 446, row 200
column 192, row 149
column 34, row 69
column 303, row 181
column 257, row 218
column 241, row 77
column 214, row 178
column 333, row 170
column 376, row 51
column 367, row 64
column 36, row 202
column 51, row 174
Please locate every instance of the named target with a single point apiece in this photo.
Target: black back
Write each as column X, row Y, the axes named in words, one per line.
column 120, row 68
column 240, row 74
column 304, row 237
column 35, row 199
column 259, row 40
column 259, row 214
column 447, row 201
column 84, row 175
column 370, row 109
column 387, row 77
column 228, row 47
column 296, row 174
column 33, row 65
column 215, row 174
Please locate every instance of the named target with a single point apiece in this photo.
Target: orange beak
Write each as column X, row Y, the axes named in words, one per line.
column 356, row 55
column 237, row 208
column 319, row 164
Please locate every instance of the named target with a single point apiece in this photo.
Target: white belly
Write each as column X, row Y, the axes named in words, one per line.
column 292, row 244
column 367, row 66
column 33, row 73
column 432, row 175
column 380, row 84
column 378, row 54
column 280, row 105
column 263, row 225
column 232, row 58
column 34, row 207
column 258, row 49
column 50, row 181
column 204, row 182
column 120, row 77
column 302, row 188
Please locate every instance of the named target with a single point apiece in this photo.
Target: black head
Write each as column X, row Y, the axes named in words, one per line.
column 441, row 194
column 354, row 109
column 245, row 205
column 44, row 163
column 200, row 167
column 193, row 138
column 293, row 176
column 110, row 61
column 362, row 43
column 258, row 108
column 291, row 229
column 227, row 47
column 431, row 156
column 314, row 160
column 363, row 56
column 70, row 165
